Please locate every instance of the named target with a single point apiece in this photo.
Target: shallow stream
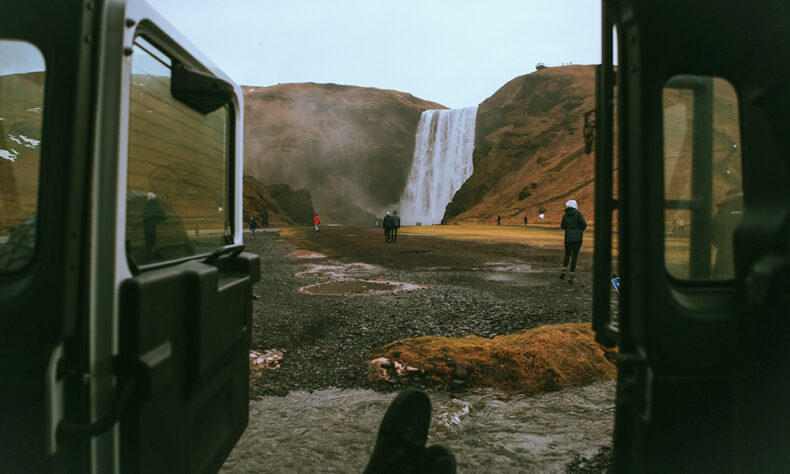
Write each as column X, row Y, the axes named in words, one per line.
column 488, row 431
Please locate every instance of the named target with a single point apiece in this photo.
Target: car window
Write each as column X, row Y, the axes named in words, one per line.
column 703, row 190
column 22, row 74
column 178, row 191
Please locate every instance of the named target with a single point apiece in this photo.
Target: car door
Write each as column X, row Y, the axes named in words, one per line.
column 703, row 212
column 46, row 84
column 125, row 291
column 183, row 282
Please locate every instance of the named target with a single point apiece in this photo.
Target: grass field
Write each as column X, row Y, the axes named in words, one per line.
column 549, row 236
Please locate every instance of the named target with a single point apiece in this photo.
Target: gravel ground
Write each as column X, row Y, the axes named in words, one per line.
column 465, row 287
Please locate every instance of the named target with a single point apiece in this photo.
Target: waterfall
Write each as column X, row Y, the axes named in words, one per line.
column 442, row 163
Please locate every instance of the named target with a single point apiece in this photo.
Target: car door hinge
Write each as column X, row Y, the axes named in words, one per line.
column 128, row 384
column 635, row 383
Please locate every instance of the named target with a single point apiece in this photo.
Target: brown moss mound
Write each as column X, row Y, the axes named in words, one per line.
column 536, row 360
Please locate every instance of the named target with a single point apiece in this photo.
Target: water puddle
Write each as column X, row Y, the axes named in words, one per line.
column 358, row 287
column 340, row 271
column 505, row 267
column 513, row 273
column 488, row 431
column 306, row 254
column 499, row 277
column 351, row 279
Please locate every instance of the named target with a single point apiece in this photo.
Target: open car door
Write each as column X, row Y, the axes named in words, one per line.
column 126, row 318
column 703, row 213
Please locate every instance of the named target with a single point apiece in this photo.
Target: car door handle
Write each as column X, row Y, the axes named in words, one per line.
column 233, row 250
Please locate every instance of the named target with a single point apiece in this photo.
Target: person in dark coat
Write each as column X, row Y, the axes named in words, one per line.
column 573, row 224
column 387, row 224
column 253, row 226
column 395, row 226
column 153, row 215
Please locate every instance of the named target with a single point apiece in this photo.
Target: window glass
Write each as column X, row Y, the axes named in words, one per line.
column 21, row 111
column 177, row 200
column 703, row 193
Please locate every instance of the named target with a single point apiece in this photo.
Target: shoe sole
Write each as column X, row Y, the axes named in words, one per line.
column 404, row 428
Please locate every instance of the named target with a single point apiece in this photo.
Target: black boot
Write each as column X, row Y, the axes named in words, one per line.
column 400, row 446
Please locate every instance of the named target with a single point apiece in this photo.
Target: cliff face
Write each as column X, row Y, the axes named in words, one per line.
column 529, row 150
column 351, row 147
column 276, row 205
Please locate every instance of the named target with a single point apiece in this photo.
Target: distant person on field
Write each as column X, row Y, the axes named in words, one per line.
column 525, row 220
column 316, row 222
column 253, row 226
column 395, row 226
column 498, row 220
column 387, row 224
column 573, row 224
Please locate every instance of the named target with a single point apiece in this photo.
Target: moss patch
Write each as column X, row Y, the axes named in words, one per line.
column 542, row 359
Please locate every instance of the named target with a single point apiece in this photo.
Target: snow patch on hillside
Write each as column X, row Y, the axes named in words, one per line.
column 9, row 155
column 24, row 141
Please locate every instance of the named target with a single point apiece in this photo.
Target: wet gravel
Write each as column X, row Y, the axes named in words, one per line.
column 469, row 287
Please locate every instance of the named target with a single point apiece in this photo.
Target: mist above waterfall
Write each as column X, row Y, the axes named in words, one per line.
column 442, row 162
column 351, row 147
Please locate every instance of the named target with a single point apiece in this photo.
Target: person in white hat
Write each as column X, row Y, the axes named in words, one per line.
column 573, row 224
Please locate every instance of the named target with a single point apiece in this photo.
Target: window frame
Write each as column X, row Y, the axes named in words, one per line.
column 683, row 289
column 166, row 46
column 40, row 204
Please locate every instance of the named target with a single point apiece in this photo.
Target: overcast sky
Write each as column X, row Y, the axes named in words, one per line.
column 456, row 53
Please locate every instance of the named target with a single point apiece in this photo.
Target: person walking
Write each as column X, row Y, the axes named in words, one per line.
column 573, row 224
column 153, row 215
column 253, row 226
column 498, row 220
column 395, row 226
column 387, row 224
column 525, row 220
column 316, row 221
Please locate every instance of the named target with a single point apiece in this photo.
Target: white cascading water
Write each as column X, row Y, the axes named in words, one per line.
column 442, row 163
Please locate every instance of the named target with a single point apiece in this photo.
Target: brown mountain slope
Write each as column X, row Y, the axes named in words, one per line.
column 351, row 147
column 529, row 150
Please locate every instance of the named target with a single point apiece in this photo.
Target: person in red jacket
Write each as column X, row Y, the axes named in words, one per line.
column 315, row 222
